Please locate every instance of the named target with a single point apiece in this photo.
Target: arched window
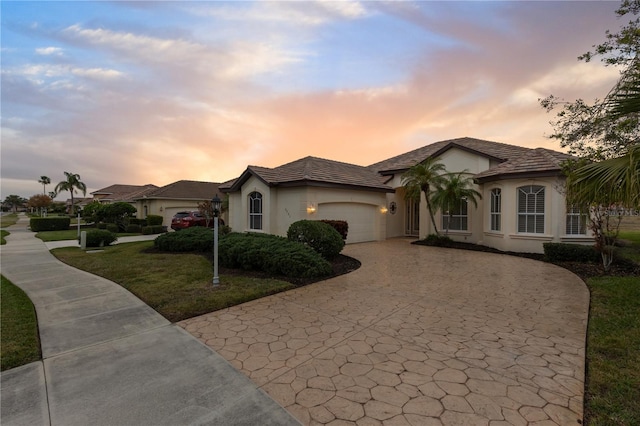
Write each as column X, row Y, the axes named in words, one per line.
column 531, row 209
column 496, row 209
column 255, row 211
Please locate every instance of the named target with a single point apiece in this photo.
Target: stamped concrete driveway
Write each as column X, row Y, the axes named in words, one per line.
column 418, row 335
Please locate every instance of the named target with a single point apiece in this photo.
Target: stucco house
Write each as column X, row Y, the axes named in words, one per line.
column 522, row 204
column 183, row 195
column 121, row 193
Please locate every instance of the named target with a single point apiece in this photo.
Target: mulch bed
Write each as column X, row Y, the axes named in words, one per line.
column 620, row 267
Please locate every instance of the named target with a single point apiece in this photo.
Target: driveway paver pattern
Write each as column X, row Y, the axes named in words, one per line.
column 416, row 336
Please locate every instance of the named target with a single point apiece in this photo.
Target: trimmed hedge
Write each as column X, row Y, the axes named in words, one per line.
column 136, row 221
column 101, row 225
column 154, row 220
column 155, row 229
column 133, row 229
column 38, row 224
column 112, row 227
column 191, row 239
column 321, row 237
column 271, row 254
column 562, row 252
column 100, row 237
column 438, row 240
column 339, row 225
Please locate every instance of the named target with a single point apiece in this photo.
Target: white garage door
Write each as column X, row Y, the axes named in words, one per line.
column 362, row 219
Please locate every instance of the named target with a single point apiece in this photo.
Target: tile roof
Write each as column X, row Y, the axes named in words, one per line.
column 314, row 171
column 185, row 190
column 539, row 160
column 496, row 150
column 124, row 192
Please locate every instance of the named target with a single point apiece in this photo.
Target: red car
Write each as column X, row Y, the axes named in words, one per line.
column 183, row 220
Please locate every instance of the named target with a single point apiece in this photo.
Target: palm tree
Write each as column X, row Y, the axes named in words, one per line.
column 420, row 178
column 14, row 201
column 455, row 190
column 44, row 180
column 72, row 183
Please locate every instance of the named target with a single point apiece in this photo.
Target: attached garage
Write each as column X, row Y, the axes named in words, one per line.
column 364, row 219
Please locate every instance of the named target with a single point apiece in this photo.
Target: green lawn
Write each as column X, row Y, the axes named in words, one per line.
column 178, row 286
column 631, row 252
column 8, row 220
column 3, row 234
column 613, row 352
column 19, row 339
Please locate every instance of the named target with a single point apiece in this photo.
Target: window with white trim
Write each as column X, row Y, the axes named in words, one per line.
column 531, row 209
column 457, row 219
column 496, row 209
column 255, row 211
column 576, row 221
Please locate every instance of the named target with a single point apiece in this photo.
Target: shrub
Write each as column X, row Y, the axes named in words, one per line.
column 271, row 254
column 190, row 239
column 321, row 237
column 153, row 220
column 101, row 225
column 112, row 227
column 38, row 224
column 562, row 252
column 339, row 225
column 438, row 240
column 100, row 237
column 133, row 228
column 154, row 229
column 136, row 221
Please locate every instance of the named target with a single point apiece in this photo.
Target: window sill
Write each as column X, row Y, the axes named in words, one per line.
column 495, row 234
column 454, row 232
column 535, row 237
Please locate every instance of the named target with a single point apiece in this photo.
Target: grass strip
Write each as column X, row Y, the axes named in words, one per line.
column 3, row 234
column 70, row 234
column 19, row 339
column 8, row 220
column 613, row 352
column 178, row 286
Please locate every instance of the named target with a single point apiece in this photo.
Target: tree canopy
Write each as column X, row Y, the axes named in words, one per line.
column 72, row 183
column 609, row 127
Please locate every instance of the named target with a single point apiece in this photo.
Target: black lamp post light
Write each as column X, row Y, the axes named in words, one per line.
column 216, row 203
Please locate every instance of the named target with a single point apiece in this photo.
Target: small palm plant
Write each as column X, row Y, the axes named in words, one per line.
column 454, row 191
column 421, row 178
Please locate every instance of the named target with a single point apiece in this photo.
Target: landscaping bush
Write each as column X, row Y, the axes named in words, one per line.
column 155, row 229
column 100, row 237
column 562, row 252
column 339, row 225
column 321, row 237
column 271, row 254
column 438, row 240
column 136, row 221
column 112, row 227
column 101, row 225
column 38, row 224
column 191, row 239
column 153, row 220
column 133, row 228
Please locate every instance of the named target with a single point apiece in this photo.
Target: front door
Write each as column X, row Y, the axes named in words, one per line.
column 412, row 217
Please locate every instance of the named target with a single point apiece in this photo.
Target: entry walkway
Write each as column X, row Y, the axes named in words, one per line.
column 109, row 359
column 416, row 336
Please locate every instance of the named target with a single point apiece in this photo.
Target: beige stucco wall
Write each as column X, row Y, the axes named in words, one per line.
column 282, row 206
column 555, row 217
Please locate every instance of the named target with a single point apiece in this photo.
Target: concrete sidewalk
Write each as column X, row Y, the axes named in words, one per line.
column 109, row 359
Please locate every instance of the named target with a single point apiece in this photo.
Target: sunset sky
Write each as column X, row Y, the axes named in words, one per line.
column 153, row 92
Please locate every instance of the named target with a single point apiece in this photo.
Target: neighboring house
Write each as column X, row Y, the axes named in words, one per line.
column 122, row 193
column 79, row 202
column 522, row 205
column 183, row 195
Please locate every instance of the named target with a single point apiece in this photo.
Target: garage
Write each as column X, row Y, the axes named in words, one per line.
column 364, row 219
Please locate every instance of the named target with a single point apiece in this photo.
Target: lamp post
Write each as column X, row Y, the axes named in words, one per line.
column 215, row 203
column 79, row 210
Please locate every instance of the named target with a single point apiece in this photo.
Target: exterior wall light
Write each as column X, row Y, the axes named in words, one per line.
column 311, row 209
column 383, row 210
